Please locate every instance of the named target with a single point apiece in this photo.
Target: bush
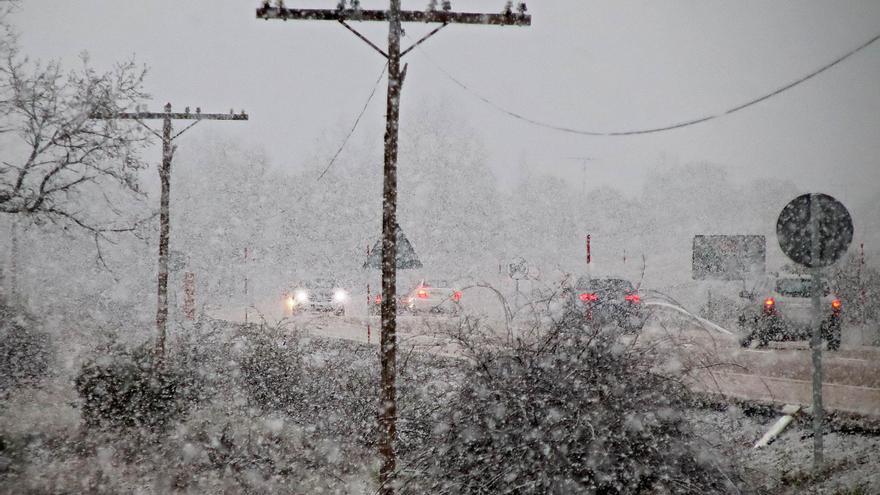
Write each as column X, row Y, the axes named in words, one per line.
column 331, row 387
column 25, row 353
column 122, row 389
column 578, row 412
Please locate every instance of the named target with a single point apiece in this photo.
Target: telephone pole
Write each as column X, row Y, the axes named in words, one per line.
column 165, row 178
column 394, row 16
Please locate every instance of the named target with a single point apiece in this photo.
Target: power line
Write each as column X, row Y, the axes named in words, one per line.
column 356, row 122
column 651, row 130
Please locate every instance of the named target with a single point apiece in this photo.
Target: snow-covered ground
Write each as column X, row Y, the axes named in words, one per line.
column 852, row 460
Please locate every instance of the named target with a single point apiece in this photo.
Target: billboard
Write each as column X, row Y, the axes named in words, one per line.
column 729, row 257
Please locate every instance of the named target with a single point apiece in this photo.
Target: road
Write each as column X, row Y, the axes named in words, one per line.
column 711, row 361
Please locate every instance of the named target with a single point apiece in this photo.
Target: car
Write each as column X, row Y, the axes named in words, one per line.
column 320, row 295
column 605, row 300
column 376, row 298
column 785, row 312
column 433, row 297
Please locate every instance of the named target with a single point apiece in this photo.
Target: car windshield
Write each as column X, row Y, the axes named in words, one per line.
column 798, row 287
column 611, row 286
column 604, row 285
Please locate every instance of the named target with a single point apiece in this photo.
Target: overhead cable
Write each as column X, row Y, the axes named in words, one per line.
column 356, row 122
column 667, row 127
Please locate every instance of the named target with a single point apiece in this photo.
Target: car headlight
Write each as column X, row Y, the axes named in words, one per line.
column 301, row 296
column 340, row 295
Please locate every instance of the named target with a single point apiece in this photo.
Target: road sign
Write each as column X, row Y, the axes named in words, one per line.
column 815, row 230
column 176, row 260
column 728, row 257
column 794, row 230
column 406, row 255
column 518, row 269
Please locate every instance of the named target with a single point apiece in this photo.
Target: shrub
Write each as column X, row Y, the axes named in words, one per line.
column 122, row 389
column 25, row 353
column 577, row 412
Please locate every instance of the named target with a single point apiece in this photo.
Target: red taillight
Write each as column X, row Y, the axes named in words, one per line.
column 422, row 293
column 633, row 298
column 769, row 302
column 456, row 296
column 836, row 304
column 588, row 296
column 378, row 299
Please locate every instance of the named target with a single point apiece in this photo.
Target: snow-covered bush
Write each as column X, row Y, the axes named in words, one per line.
column 123, row 388
column 574, row 412
column 333, row 386
column 271, row 369
column 25, row 352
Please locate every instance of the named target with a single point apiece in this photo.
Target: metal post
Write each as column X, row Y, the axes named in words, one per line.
column 589, row 257
column 13, row 263
column 189, row 295
column 862, row 299
column 246, row 299
column 816, row 340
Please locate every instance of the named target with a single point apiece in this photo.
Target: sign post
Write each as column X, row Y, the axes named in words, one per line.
column 189, row 295
column 517, row 269
column 814, row 230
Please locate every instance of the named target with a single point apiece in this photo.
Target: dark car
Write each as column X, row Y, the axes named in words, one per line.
column 785, row 312
column 601, row 301
column 375, row 307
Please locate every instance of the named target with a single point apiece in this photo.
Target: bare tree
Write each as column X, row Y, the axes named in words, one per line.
column 56, row 163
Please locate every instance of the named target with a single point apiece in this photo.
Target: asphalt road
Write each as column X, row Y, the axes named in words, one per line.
column 710, row 360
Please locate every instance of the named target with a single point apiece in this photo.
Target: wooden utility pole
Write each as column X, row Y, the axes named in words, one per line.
column 164, row 201
column 394, row 16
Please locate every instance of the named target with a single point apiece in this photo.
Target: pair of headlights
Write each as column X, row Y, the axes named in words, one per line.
column 301, row 296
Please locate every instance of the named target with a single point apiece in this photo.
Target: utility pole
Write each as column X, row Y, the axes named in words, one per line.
column 164, row 212
column 394, row 16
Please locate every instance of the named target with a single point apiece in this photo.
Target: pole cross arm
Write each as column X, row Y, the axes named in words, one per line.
column 511, row 19
column 169, row 115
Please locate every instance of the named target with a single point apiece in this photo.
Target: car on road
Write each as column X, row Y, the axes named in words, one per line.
column 376, row 297
column 321, row 295
column 605, row 300
column 433, row 297
column 785, row 312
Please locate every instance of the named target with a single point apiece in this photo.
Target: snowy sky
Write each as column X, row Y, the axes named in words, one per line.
column 595, row 65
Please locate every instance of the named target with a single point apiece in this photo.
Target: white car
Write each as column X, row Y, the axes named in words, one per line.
column 437, row 297
column 318, row 296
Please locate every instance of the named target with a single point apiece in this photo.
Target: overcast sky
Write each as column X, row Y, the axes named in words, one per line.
column 594, row 65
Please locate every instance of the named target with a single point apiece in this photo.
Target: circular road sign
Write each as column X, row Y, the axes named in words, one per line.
column 794, row 230
column 518, row 269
